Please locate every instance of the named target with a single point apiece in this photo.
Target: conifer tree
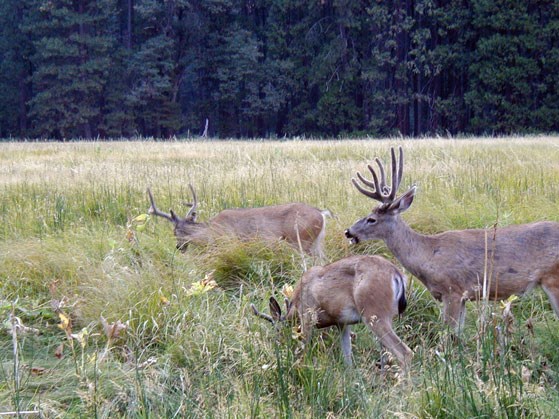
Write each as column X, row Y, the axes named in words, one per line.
column 15, row 70
column 73, row 43
column 512, row 88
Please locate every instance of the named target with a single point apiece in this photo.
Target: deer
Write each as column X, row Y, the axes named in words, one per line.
column 459, row 265
column 302, row 226
column 355, row 289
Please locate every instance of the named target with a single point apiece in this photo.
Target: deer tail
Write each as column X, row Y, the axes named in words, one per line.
column 400, row 294
column 327, row 213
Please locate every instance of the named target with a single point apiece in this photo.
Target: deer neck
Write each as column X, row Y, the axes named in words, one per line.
column 410, row 247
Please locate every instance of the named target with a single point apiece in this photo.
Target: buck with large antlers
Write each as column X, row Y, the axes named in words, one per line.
column 457, row 266
column 300, row 225
column 354, row 289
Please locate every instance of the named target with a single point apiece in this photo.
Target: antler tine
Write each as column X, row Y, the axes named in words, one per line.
column 400, row 167
column 382, row 188
column 261, row 315
column 379, row 187
column 153, row 209
column 397, row 171
column 394, row 167
column 194, row 205
column 381, row 191
column 374, row 184
column 364, row 191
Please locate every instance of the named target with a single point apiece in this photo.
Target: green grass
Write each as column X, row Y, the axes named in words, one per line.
column 69, row 244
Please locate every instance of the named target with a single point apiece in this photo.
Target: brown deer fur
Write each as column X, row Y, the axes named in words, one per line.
column 454, row 265
column 300, row 225
column 355, row 289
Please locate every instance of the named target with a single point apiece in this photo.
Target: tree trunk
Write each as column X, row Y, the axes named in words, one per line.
column 129, row 21
column 23, row 97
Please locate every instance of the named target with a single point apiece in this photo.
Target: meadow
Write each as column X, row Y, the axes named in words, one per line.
column 103, row 317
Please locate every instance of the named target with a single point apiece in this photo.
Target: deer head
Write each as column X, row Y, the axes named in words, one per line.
column 379, row 223
column 184, row 228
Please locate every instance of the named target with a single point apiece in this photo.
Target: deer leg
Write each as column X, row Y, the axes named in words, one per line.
column 308, row 323
column 346, row 344
column 317, row 248
column 318, row 253
column 390, row 340
column 454, row 311
column 382, row 360
column 551, row 288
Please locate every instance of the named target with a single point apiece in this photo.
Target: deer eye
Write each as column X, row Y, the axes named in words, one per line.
column 371, row 220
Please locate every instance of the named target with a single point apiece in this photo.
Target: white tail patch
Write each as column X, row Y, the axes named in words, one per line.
column 398, row 286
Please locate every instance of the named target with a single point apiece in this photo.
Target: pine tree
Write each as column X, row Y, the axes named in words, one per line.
column 73, row 41
column 15, row 70
column 235, row 88
column 387, row 68
column 510, row 87
column 158, row 64
column 87, row 68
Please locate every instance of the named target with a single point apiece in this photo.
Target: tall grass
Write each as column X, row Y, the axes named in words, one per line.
column 70, row 246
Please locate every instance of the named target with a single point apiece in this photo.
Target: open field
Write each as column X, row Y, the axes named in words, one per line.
column 72, row 250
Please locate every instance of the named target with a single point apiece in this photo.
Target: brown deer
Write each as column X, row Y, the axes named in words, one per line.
column 300, row 225
column 457, row 266
column 346, row 292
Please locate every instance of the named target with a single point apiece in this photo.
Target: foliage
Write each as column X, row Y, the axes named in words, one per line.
column 275, row 68
column 71, row 60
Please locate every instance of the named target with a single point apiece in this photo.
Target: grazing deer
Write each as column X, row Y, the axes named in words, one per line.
column 457, row 266
column 346, row 292
column 300, row 225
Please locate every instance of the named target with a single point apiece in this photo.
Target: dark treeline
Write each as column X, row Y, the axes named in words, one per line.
column 267, row 68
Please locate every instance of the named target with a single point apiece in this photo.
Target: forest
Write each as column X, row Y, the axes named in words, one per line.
column 112, row 69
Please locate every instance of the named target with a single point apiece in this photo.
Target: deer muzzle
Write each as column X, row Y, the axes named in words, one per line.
column 182, row 246
column 352, row 239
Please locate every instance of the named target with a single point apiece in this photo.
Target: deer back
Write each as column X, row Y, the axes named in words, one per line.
column 512, row 259
column 351, row 290
column 298, row 224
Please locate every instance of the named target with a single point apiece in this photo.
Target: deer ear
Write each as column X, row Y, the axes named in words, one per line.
column 191, row 216
column 402, row 203
column 275, row 309
column 174, row 217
